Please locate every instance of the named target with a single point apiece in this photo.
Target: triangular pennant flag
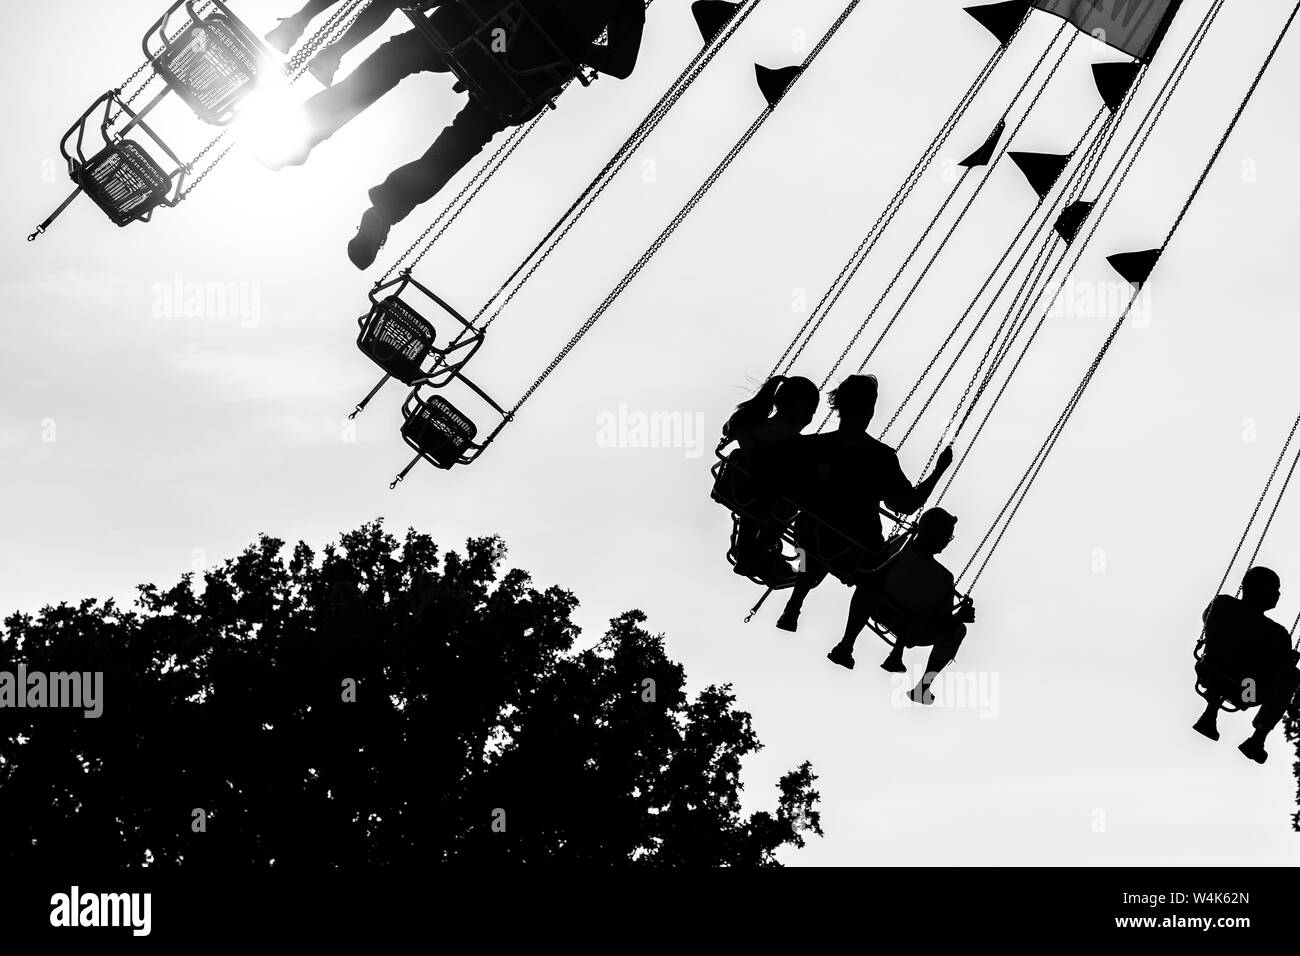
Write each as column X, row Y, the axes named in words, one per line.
column 1135, row 267
column 982, row 155
column 1001, row 19
column 1072, row 219
column 1114, row 80
column 1041, row 169
column 711, row 16
column 774, row 83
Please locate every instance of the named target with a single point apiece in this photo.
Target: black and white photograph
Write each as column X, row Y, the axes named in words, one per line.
column 447, row 442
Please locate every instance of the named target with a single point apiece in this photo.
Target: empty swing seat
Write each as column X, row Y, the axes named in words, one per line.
column 397, row 339
column 123, row 177
column 517, row 83
column 124, row 181
column 438, row 431
column 213, row 64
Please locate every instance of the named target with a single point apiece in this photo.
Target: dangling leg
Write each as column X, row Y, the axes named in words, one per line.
column 943, row 654
column 291, row 28
column 325, row 64
column 804, row 583
column 329, row 111
column 1275, row 698
column 418, row 182
column 1207, row 725
column 860, row 608
column 894, row 662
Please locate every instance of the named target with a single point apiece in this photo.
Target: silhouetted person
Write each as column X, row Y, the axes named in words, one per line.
column 574, row 25
column 846, row 475
column 921, row 607
column 325, row 64
column 1248, row 660
column 761, row 428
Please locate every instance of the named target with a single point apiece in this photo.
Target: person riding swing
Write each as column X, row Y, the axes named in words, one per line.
column 842, row 479
column 913, row 594
column 573, row 25
column 1248, row 660
column 762, row 428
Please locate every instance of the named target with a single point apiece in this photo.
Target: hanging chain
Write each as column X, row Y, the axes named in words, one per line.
column 338, row 23
column 916, row 248
column 544, row 249
column 677, row 220
column 1072, row 405
column 813, row 323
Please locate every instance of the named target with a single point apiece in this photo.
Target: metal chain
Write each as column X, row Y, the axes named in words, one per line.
column 469, row 192
column 1054, row 436
column 130, row 98
column 854, row 264
column 338, row 23
column 916, row 247
column 481, row 177
column 544, row 249
column 677, row 220
column 1116, row 178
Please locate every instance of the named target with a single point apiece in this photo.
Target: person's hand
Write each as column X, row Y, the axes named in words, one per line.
column 966, row 612
column 945, row 460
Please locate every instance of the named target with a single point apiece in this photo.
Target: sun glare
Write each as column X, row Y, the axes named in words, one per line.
column 273, row 125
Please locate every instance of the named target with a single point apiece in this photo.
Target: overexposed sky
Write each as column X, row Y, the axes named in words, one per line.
column 178, row 436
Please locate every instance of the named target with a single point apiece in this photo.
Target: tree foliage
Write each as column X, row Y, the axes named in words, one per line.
column 477, row 732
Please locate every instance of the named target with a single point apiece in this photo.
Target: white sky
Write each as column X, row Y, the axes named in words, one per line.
column 179, row 438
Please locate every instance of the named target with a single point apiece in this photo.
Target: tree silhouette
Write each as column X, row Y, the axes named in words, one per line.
column 1292, row 725
column 377, row 705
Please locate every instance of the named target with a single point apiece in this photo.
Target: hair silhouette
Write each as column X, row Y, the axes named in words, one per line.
column 794, row 398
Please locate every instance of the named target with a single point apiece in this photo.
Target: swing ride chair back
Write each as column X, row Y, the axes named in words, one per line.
column 442, row 434
column 122, row 177
column 213, row 64
column 396, row 335
column 467, row 34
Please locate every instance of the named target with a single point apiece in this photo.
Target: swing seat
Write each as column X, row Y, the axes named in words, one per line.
column 122, row 177
column 397, row 339
column 400, row 332
column 1211, row 682
column 889, row 622
column 439, row 432
column 736, row 490
column 213, row 65
column 466, row 33
column 401, row 329
column 125, row 182
column 442, row 433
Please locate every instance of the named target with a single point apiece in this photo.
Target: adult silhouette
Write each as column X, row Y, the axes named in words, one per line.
column 761, row 428
column 1248, row 660
column 574, row 25
column 842, row 479
column 914, row 594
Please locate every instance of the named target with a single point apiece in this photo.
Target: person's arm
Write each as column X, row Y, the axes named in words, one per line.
column 618, row 57
column 906, row 499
